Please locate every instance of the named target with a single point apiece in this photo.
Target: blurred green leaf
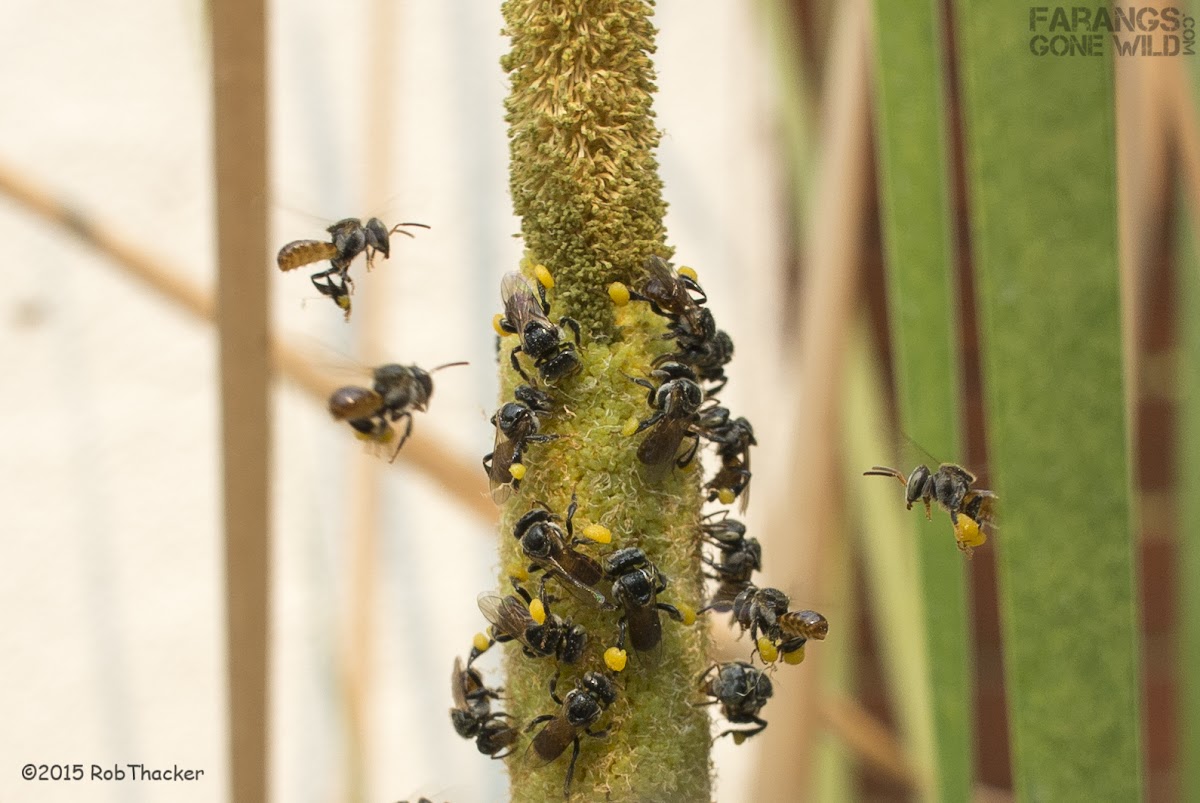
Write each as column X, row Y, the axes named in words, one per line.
column 1040, row 139
column 921, row 292
column 1189, row 504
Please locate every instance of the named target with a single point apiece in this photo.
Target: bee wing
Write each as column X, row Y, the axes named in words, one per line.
column 578, row 573
column 550, row 742
column 657, row 269
column 520, row 301
column 457, row 685
column 661, row 444
column 645, row 634
column 499, row 480
column 987, row 509
column 509, row 615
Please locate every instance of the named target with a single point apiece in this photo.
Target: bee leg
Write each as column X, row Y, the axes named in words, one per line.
column 649, row 422
column 571, row 324
column 600, row 734
column 670, row 610
column 407, row 432
column 512, row 356
column 554, row 689
column 537, row 721
column 621, row 627
column 648, row 385
column 571, row 514
column 928, row 509
column 571, row 768
column 691, row 453
column 541, row 288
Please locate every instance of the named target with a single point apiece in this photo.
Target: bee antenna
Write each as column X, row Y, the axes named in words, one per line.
column 448, row 365
column 399, row 227
column 919, row 447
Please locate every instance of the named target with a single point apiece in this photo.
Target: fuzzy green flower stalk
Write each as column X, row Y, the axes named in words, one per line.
column 585, row 183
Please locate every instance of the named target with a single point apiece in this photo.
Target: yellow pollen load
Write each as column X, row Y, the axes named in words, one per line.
column 767, row 650
column 481, row 642
column 739, row 737
column 630, row 427
column 794, row 657
column 544, row 276
column 615, row 658
column 689, row 614
column 517, row 470
column 518, row 572
column 538, row 611
column 688, row 272
column 496, row 324
column 967, row 531
column 726, row 496
column 619, row 293
column 598, row 533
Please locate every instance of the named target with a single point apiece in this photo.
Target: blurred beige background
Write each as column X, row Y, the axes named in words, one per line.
column 111, row 606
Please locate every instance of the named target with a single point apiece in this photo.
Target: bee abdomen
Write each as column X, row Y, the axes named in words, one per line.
column 299, row 253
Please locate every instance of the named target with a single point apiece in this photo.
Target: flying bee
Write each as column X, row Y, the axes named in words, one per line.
column 553, row 551
column 733, row 438
column 472, row 714
column 676, row 401
column 526, row 315
column 398, row 391
column 669, row 293
column 349, row 237
column 742, row 692
column 636, row 586
column 516, row 426
column 951, row 487
column 511, row 620
column 578, row 712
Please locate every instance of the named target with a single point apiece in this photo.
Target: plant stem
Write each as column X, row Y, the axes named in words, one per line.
column 585, row 183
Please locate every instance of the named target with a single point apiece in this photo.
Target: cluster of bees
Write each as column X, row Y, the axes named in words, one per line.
column 682, row 414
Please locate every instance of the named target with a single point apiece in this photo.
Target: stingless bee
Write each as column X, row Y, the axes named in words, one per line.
column 704, row 347
column 636, row 586
column 669, row 292
column 733, row 438
column 472, row 714
column 526, row 315
column 740, row 558
column 676, row 402
column 349, row 237
column 582, row 708
column 553, row 552
column 516, row 426
column 742, row 692
column 511, row 620
column 398, row 391
column 766, row 609
column 971, row 509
